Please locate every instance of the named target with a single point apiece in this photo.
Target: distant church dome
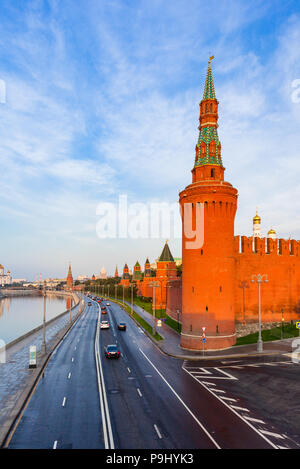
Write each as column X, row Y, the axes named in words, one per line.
column 256, row 219
column 272, row 234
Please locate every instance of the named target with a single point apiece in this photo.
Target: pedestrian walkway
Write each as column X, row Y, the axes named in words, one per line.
column 170, row 344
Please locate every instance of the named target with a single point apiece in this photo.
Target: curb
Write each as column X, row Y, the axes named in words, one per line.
column 160, row 346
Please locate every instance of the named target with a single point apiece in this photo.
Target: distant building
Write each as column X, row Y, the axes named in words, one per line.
column 70, row 279
column 5, row 279
column 83, row 278
column 19, row 280
column 103, row 273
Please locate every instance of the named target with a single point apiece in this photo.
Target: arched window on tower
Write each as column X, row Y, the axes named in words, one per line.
column 211, row 109
column 212, row 173
column 205, row 108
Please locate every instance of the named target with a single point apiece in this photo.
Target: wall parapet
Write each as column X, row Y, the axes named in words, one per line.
column 268, row 246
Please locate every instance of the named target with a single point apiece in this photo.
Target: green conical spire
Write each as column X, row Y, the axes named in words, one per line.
column 166, row 254
column 208, row 148
column 209, row 89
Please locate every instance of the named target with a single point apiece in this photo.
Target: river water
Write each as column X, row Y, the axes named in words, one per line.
column 21, row 314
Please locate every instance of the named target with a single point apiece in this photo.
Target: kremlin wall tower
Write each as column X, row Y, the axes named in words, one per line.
column 215, row 290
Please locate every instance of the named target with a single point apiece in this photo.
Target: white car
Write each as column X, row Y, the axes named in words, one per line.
column 104, row 325
column 107, row 304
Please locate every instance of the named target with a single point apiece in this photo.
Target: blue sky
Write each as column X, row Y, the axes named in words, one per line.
column 102, row 99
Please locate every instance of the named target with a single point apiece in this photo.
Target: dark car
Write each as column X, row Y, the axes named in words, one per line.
column 103, row 309
column 89, row 303
column 112, row 351
column 122, row 326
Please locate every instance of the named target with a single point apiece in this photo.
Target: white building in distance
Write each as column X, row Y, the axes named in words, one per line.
column 5, row 279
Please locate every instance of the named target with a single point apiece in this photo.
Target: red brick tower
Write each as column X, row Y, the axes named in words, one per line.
column 70, row 279
column 125, row 280
column 166, row 270
column 145, row 289
column 116, row 272
column 137, row 273
column 208, row 269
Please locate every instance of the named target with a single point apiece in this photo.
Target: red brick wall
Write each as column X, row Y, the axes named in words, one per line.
column 280, row 260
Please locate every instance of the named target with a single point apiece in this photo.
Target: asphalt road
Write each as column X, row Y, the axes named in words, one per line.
column 141, row 400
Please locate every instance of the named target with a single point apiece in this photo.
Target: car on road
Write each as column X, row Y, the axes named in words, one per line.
column 112, row 351
column 89, row 303
column 107, row 304
column 122, row 326
column 104, row 325
column 103, row 310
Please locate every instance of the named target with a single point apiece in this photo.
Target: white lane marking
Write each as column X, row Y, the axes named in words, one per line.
column 243, row 409
column 69, row 375
column 55, row 444
column 64, row 402
column 229, row 376
column 139, row 392
column 128, row 370
column 204, row 373
column 106, row 423
column 227, row 398
column 275, row 435
column 209, row 383
column 230, row 399
column 251, row 419
column 182, row 402
column 219, row 390
column 157, row 431
column 231, row 361
column 72, row 359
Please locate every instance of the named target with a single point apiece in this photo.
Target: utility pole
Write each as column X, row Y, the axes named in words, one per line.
column 154, row 285
column 44, row 319
column 259, row 279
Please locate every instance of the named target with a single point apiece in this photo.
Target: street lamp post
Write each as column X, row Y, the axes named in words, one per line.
column 259, row 279
column 243, row 285
column 44, row 320
column 131, row 286
column 123, row 294
column 154, row 285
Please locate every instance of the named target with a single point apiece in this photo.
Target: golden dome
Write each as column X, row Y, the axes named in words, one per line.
column 271, row 231
column 256, row 219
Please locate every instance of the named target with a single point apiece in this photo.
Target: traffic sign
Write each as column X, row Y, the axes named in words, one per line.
column 32, row 356
column 203, row 340
column 298, row 324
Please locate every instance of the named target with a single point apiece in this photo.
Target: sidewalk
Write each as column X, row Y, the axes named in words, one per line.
column 170, row 344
